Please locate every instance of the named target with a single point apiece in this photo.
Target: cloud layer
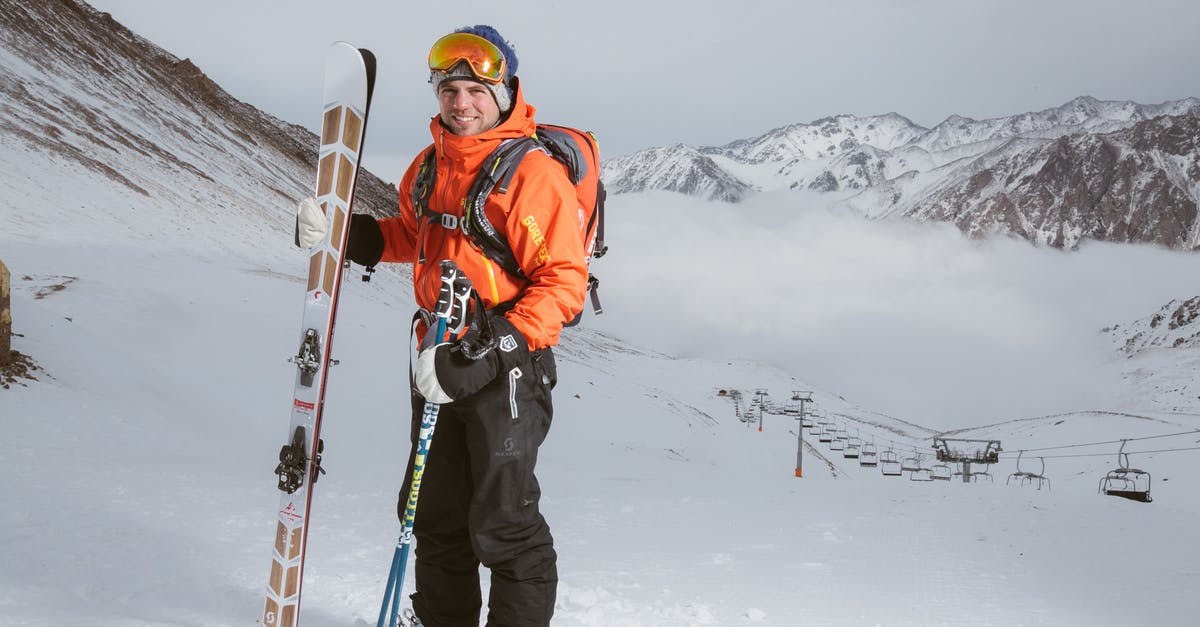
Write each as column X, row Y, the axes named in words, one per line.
column 904, row 318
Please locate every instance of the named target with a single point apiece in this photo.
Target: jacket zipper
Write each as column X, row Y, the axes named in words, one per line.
column 487, row 264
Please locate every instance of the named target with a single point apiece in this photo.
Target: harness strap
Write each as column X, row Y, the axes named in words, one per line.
column 496, row 176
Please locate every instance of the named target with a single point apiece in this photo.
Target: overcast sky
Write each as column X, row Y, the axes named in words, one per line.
column 649, row 73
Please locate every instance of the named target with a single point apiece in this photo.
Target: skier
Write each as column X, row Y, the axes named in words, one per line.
column 479, row 496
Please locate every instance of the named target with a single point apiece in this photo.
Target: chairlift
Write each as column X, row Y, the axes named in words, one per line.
column 1126, row 482
column 869, row 456
column 941, row 472
column 911, row 464
column 853, row 447
column 972, row 476
column 921, row 472
column 1028, row 477
column 807, row 421
column 839, row 440
column 889, row 463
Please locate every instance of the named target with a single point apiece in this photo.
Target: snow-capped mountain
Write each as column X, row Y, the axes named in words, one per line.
column 1162, row 354
column 84, row 95
column 1106, row 170
column 1175, row 326
column 675, row 168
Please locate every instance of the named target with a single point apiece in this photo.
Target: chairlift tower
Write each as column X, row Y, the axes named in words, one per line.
column 967, row 452
column 761, row 393
column 736, row 395
column 802, row 398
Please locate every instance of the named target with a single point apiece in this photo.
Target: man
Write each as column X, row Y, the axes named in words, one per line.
column 479, row 497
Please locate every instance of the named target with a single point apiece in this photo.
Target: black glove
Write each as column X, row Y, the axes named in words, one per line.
column 444, row 373
column 366, row 240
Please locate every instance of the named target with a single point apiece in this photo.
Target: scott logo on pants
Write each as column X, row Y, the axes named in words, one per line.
column 509, row 449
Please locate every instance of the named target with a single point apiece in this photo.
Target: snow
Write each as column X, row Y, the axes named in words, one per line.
column 139, row 486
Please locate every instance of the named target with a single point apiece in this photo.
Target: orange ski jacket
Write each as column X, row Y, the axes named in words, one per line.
column 539, row 216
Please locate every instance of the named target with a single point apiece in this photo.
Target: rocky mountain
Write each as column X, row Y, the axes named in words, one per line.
column 1175, row 326
column 1161, row 355
column 1089, row 169
column 130, row 125
column 1137, row 184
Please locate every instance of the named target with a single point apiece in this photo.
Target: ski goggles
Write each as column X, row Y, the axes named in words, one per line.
column 486, row 61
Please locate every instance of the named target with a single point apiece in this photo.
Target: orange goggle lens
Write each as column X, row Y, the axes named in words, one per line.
column 482, row 56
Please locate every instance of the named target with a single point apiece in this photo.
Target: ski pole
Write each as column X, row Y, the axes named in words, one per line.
column 450, row 312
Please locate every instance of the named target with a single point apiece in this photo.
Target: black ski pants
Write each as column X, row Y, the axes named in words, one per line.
column 479, row 505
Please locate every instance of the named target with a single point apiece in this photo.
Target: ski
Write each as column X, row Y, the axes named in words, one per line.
column 349, row 79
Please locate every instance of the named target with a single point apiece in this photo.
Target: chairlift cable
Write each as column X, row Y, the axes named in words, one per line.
column 1148, row 437
column 1165, row 450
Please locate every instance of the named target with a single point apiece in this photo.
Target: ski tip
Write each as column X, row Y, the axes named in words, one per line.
column 368, row 58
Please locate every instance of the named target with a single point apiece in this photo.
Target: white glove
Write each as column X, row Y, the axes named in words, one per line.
column 425, row 375
column 310, row 223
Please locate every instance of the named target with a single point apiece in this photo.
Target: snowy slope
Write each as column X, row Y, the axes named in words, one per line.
column 138, row 465
column 1162, row 354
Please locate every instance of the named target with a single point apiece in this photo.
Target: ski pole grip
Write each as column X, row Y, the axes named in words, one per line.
column 445, row 301
column 462, row 298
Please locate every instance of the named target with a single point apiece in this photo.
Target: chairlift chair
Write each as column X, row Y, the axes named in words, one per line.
column 1028, row 477
column 889, row 463
column 853, row 447
column 941, row 472
column 868, row 456
column 839, row 440
column 973, row 476
column 1126, row 482
column 921, row 473
column 981, row 474
column 910, row 464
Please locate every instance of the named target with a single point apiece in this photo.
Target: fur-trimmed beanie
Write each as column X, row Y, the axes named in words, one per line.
column 502, row 92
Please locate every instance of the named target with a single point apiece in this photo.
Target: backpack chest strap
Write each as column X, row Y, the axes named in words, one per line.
column 495, row 175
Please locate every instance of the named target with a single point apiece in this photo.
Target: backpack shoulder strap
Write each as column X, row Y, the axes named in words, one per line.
column 495, row 175
column 423, row 183
column 557, row 141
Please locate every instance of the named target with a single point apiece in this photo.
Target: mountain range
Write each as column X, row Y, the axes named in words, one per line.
column 1088, row 169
